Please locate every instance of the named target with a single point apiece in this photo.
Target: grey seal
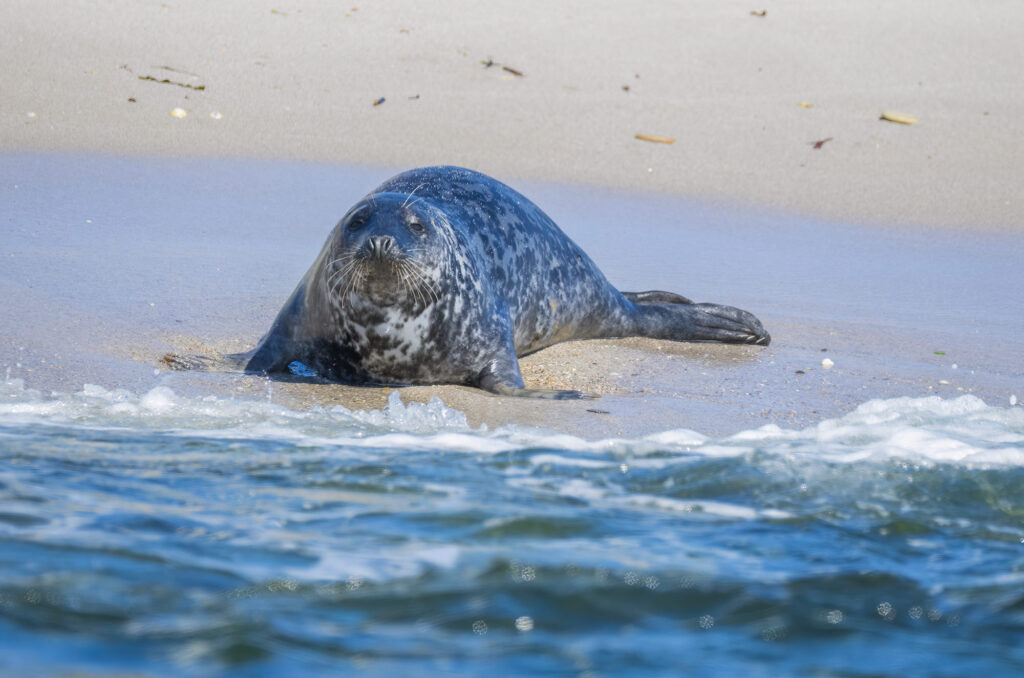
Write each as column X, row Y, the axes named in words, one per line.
column 444, row 275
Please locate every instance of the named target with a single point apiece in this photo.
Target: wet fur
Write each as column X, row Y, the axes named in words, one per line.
column 488, row 278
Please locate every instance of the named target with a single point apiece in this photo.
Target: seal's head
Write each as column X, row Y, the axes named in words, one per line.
column 389, row 249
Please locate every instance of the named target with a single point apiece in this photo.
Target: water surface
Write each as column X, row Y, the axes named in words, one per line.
column 175, row 535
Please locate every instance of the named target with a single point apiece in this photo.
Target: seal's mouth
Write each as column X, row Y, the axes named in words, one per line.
column 382, row 273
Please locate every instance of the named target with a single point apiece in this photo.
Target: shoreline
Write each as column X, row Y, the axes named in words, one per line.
column 140, row 258
column 130, row 232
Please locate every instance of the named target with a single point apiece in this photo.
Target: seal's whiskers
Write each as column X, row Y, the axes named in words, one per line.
column 420, row 282
column 411, row 194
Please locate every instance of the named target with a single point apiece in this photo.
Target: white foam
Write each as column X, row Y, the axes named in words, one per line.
column 578, row 488
column 160, row 400
column 707, row 507
column 578, row 462
column 433, row 416
column 606, row 497
column 963, row 430
column 403, row 562
column 932, row 429
column 161, row 408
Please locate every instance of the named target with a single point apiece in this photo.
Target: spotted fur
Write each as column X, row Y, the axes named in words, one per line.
column 445, row 275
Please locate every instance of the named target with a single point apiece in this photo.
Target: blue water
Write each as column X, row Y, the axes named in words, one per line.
column 160, row 534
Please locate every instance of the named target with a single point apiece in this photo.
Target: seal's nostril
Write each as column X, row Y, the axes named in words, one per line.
column 381, row 244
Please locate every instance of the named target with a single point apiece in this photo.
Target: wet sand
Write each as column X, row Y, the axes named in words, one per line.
column 110, row 262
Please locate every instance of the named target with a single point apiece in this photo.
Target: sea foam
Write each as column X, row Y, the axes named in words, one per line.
column 962, row 430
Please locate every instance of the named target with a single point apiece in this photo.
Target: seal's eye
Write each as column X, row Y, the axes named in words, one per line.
column 356, row 221
column 417, row 227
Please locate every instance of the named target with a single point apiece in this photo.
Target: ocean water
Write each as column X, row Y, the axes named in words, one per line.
column 162, row 534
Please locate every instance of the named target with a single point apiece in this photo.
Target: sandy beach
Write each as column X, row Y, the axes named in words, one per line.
column 745, row 96
column 891, row 249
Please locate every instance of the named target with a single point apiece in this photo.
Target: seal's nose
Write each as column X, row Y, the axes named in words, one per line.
column 380, row 245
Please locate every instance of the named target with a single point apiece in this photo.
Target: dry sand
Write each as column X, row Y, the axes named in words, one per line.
column 292, row 79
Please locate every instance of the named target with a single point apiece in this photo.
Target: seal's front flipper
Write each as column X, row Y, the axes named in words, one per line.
column 184, row 363
column 225, row 363
column 701, row 322
column 655, row 297
column 506, row 390
column 503, row 378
